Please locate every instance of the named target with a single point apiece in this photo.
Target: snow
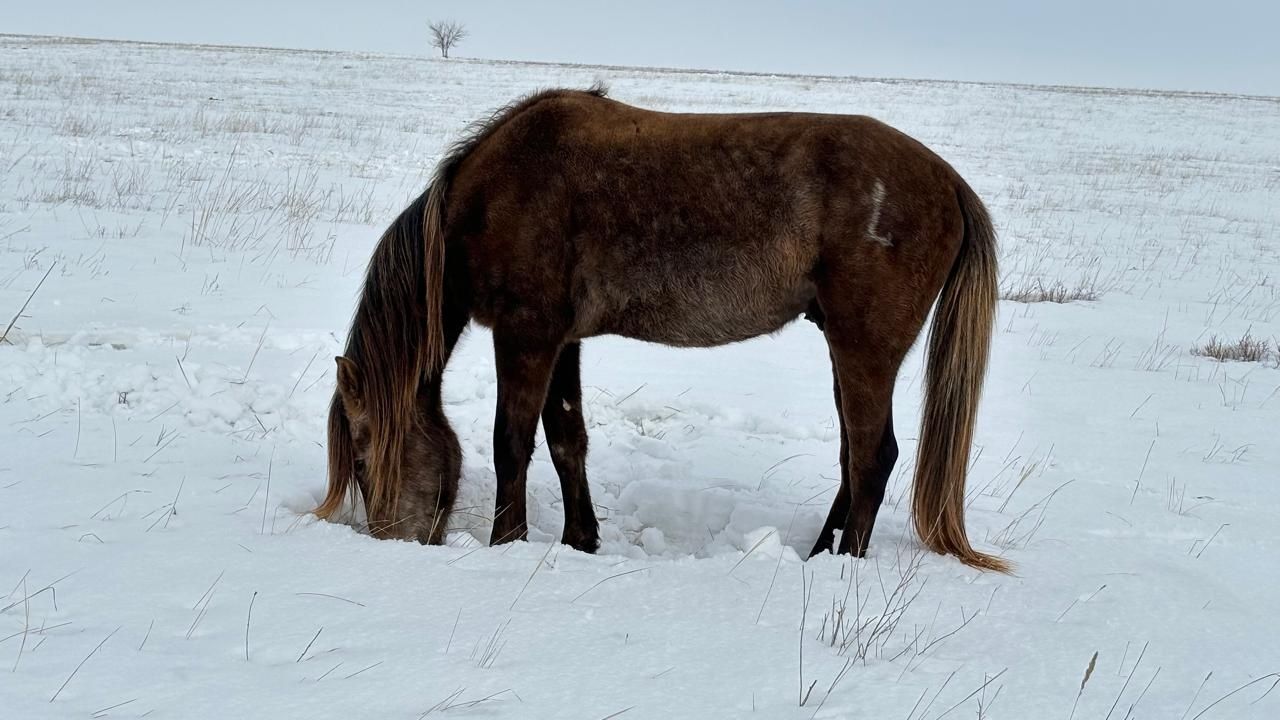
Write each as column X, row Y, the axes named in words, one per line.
column 207, row 213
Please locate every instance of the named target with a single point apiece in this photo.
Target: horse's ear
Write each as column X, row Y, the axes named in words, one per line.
column 348, row 382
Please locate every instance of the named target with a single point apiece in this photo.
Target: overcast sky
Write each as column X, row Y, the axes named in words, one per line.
column 1221, row 45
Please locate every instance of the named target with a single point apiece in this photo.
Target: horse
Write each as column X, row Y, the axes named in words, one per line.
column 568, row 215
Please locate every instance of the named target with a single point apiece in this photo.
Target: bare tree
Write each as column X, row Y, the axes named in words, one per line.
column 445, row 34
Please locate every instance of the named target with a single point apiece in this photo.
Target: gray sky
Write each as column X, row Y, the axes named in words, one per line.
column 1219, row 45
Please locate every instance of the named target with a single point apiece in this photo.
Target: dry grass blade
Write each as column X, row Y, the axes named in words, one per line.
column 491, row 648
column 1138, row 483
column 308, row 647
column 301, row 375
column 183, row 370
column 1255, row 681
column 1196, row 696
column 1129, row 714
column 449, row 643
column 605, row 580
column 254, row 357
column 95, row 649
column 26, row 624
column 147, row 636
column 266, row 496
column 1211, row 538
column 4, row 337
column 212, row 585
column 103, row 712
column 47, row 588
column 535, row 572
column 42, row 630
column 806, row 591
column 759, row 542
column 443, row 704
column 777, row 565
column 158, row 450
column 331, row 597
column 248, row 619
column 979, row 689
column 1088, row 673
column 370, row 667
column 1136, row 664
column 487, row 698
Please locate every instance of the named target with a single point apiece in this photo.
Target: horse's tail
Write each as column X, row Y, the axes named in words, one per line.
column 396, row 341
column 959, row 341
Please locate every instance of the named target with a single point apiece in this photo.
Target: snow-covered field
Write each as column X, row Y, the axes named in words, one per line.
column 203, row 216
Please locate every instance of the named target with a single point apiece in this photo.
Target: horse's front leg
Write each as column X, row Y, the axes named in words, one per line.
column 566, row 433
column 524, row 370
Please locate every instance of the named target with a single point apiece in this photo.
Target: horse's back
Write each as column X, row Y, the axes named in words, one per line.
column 684, row 229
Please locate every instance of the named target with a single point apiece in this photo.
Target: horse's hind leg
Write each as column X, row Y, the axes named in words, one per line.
column 870, row 488
column 866, row 365
column 524, row 371
column 840, row 506
column 567, row 440
column 870, row 491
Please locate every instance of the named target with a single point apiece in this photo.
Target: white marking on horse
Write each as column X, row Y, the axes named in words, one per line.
column 877, row 200
column 567, row 407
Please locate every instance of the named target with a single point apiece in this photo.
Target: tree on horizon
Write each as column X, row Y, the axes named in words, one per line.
column 445, row 34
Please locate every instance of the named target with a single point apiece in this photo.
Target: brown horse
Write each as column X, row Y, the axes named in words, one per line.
column 569, row 215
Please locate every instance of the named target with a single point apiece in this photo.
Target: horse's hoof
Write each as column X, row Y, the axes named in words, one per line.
column 585, row 543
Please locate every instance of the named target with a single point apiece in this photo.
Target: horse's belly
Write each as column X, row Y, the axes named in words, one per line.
column 696, row 310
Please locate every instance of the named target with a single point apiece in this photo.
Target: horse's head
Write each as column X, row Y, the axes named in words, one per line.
column 406, row 463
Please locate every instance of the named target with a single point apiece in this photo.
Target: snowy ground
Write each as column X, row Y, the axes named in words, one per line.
column 204, row 216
